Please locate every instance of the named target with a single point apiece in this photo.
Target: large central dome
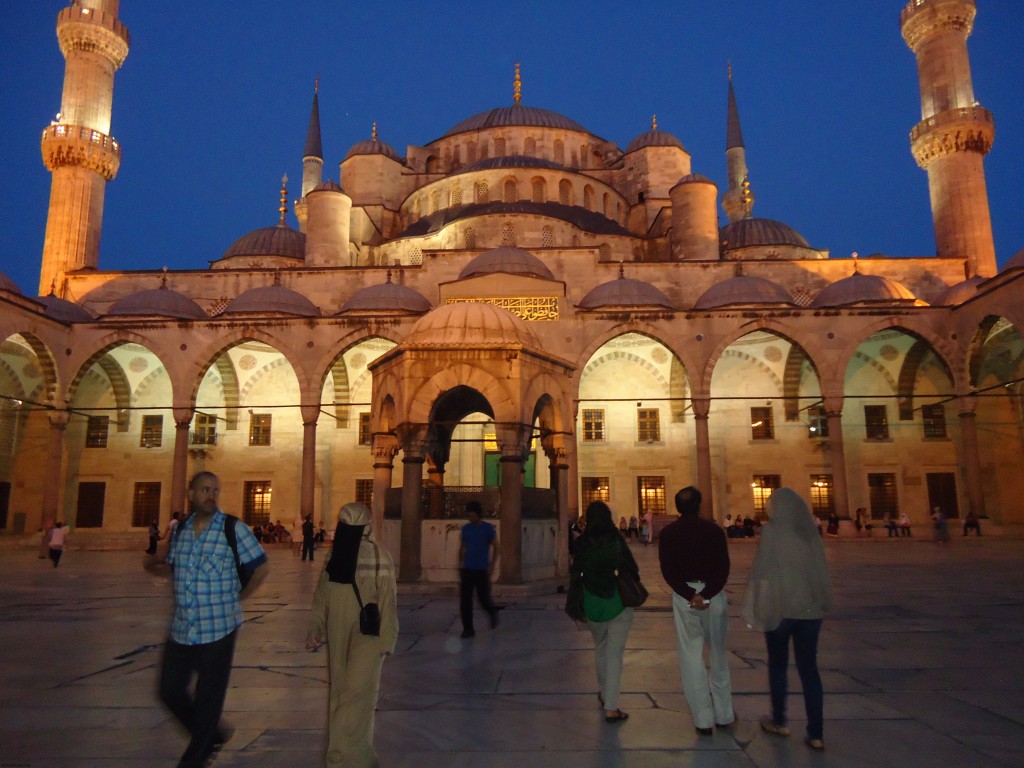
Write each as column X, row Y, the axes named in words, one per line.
column 516, row 115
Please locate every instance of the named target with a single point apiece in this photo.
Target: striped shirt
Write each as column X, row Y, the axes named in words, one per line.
column 206, row 602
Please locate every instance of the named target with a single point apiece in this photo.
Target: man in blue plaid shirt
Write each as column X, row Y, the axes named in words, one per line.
column 207, row 614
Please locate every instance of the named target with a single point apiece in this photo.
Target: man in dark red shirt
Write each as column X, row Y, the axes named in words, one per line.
column 695, row 562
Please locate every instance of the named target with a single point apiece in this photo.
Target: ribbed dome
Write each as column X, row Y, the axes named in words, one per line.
column 281, row 240
column 386, row 297
column 744, row 232
column 374, row 147
column 743, row 289
column 858, row 288
column 6, row 284
column 959, row 293
column 516, row 115
column 162, row 302
column 654, row 138
column 1016, row 261
column 65, row 311
column 625, row 292
column 327, row 186
column 511, row 161
column 513, row 261
column 272, row 298
column 469, row 323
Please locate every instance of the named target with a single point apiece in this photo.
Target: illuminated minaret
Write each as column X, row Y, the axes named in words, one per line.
column 312, row 159
column 955, row 132
column 738, row 200
column 77, row 147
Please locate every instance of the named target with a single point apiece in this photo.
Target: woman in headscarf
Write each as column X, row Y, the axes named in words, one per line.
column 788, row 594
column 599, row 554
column 355, row 660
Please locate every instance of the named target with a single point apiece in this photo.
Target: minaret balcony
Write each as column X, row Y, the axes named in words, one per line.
column 965, row 129
column 76, row 145
column 87, row 29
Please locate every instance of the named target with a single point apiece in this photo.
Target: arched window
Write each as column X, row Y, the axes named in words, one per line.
column 530, row 147
column 481, row 192
column 435, row 200
column 508, row 234
column 607, row 204
column 432, row 164
column 510, row 192
column 539, row 190
column 559, row 151
column 584, row 156
column 588, row 197
column 456, row 195
column 499, row 147
column 547, row 237
column 470, row 235
column 416, row 256
column 565, row 192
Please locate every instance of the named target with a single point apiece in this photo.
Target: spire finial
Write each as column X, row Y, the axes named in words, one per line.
column 316, row 84
column 517, row 86
column 856, row 266
column 654, row 122
column 728, row 65
column 622, row 272
column 284, row 201
column 374, row 134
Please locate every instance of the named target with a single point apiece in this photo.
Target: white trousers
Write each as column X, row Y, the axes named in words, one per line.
column 609, row 648
column 708, row 693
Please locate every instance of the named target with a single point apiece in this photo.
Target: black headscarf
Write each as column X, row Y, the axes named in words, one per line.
column 341, row 568
column 601, row 551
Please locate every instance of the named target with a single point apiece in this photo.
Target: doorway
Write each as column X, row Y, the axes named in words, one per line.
column 89, row 513
column 942, row 493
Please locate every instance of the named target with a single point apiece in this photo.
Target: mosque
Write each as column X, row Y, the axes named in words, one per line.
column 518, row 311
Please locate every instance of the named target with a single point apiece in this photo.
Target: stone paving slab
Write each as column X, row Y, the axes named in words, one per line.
column 920, row 659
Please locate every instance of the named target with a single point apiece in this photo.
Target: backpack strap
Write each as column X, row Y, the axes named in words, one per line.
column 232, row 539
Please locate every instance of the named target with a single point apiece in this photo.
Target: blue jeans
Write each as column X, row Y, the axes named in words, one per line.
column 805, row 648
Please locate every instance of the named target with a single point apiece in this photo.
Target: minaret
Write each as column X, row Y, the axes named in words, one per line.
column 955, row 132
column 738, row 200
column 77, row 147
column 312, row 158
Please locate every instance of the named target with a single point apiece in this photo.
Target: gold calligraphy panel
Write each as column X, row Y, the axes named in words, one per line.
column 529, row 308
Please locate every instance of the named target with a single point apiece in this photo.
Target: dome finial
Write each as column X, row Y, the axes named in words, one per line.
column 654, row 122
column 856, row 266
column 277, row 277
column 388, row 280
column 284, row 201
column 622, row 271
column 517, row 86
column 739, row 268
column 373, row 135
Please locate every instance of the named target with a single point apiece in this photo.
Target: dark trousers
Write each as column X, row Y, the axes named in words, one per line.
column 307, row 547
column 479, row 580
column 199, row 713
column 805, row 648
column 55, row 556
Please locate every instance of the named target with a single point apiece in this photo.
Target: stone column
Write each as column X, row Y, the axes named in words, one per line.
column 705, row 482
column 970, row 456
column 840, row 489
column 513, row 441
column 556, row 450
column 413, row 442
column 54, row 461
column 179, row 469
column 307, row 492
column 385, row 448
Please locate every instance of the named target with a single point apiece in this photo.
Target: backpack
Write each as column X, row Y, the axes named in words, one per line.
column 243, row 571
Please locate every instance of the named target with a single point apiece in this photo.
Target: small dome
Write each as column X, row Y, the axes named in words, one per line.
column 386, row 297
column 625, row 292
column 328, row 186
column 743, row 289
column 6, row 284
column 161, row 302
column 281, row 240
column 511, row 161
column 272, row 298
column 516, row 115
column 65, row 311
column 374, row 147
column 1016, row 261
column 959, row 293
column 752, row 231
column 695, row 178
column 654, row 138
column 469, row 323
column 512, row 261
column 858, row 288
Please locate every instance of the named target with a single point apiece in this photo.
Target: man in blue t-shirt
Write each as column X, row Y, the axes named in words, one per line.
column 477, row 552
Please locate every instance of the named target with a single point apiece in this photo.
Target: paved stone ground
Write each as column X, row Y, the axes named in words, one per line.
column 922, row 658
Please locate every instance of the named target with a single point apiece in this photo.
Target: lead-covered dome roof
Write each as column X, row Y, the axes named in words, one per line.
column 272, row 298
column 508, row 259
column 961, row 292
column 1016, row 261
column 468, row 324
column 754, row 231
column 863, row 289
column 159, row 302
column 743, row 289
column 625, row 292
column 280, row 240
column 386, row 297
column 64, row 311
column 374, row 146
column 654, row 138
column 515, row 116
column 6, row 284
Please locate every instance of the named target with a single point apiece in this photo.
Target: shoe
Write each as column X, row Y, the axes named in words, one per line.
column 468, row 633
column 705, row 731
column 224, row 734
column 768, row 726
column 618, row 717
column 815, row 744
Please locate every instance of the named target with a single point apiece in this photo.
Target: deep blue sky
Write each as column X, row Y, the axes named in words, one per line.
column 212, row 104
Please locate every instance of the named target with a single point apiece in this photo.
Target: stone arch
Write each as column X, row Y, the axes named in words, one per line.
column 619, row 354
column 975, row 355
column 610, row 332
column 940, row 346
column 759, row 364
column 117, row 379
column 764, row 325
column 538, row 189
column 422, row 401
column 257, row 375
column 881, row 369
column 46, row 363
column 509, row 190
column 677, row 381
column 339, row 374
column 912, row 365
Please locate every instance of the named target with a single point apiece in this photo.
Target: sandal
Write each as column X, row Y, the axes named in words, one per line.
column 618, row 717
column 769, row 726
column 815, row 744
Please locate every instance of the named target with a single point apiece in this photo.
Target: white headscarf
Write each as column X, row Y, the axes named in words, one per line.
column 790, row 578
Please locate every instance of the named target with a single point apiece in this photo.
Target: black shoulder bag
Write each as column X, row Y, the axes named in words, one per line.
column 369, row 614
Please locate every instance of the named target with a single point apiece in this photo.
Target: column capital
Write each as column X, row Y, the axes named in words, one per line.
column 310, row 414
column 968, row 406
column 182, row 415
column 701, row 407
column 384, row 448
column 58, row 419
column 513, row 440
column 833, row 404
column 413, row 441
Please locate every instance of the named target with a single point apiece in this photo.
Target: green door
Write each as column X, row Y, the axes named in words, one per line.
column 492, row 469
